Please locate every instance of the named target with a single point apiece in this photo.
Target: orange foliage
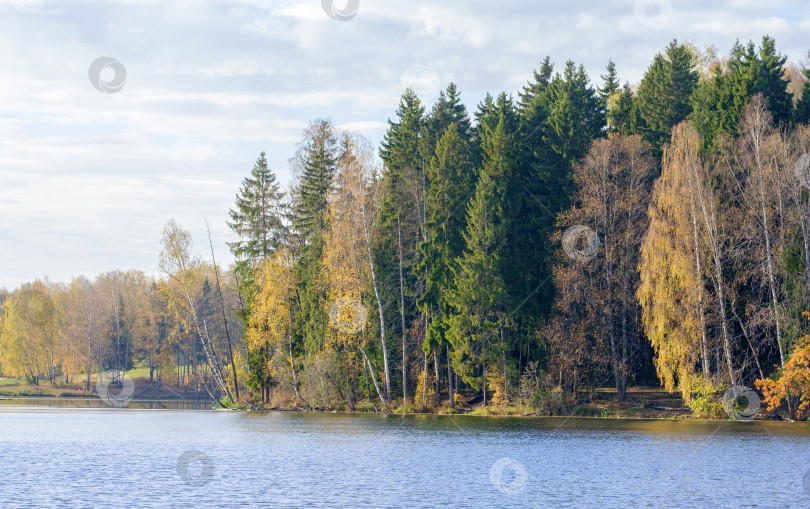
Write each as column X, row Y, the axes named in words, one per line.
column 794, row 381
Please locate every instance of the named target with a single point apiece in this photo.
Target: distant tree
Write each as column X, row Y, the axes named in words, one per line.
column 719, row 101
column 664, row 95
column 620, row 111
column 538, row 86
column 182, row 292
column 801, row 114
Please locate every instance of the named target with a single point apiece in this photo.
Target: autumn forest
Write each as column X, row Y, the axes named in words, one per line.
column 581, row 236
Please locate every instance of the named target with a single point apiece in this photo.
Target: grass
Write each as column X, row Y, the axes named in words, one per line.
column 19, row 387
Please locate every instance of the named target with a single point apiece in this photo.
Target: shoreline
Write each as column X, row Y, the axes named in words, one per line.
column 183, row 404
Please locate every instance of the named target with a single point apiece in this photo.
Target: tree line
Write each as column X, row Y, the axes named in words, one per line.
column 572, row 237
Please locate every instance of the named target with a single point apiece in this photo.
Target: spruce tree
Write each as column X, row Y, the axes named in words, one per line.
column 400, row 220
column 477, row 296
column 258, row 222
column 619, row 115
column 258, row 219
column 610, row 83
column 801, row 114
column 535, row 88
column 318, row 158
column 773, row 81
column 664, row 95
column 447, row 110
column 451, row 176
column 719, row 101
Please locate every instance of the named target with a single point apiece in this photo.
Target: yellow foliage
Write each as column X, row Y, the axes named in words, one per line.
column 496, row 382
column 425, row 394
column 271, row 322
column 345, row 265
column 671, row 290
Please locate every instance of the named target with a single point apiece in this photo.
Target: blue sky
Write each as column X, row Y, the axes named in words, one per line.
column 88, row 178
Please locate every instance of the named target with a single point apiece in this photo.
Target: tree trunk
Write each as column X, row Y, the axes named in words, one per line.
column 485, row 384
column 402, row 315
column 450, row 379
column 374, row 378
column 379, row 308
column 436, row 362
column 224, row 317
column 699, row 275
column 292, row 362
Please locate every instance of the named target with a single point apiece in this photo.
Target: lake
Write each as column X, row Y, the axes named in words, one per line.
column 63, row 456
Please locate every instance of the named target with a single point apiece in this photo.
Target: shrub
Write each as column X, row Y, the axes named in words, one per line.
column 706, row 401
column 425, row 396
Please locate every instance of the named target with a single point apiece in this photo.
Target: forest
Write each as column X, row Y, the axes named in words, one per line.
column 581, row 235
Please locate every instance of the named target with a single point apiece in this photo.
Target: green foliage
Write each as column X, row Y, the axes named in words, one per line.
column 719, row 101
column 453, row 245
column 664, row 95
column 258, row 219
column 317, row 157
column 706, row 401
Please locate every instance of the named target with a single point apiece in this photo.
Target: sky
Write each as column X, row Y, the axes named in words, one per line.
column 116, row 116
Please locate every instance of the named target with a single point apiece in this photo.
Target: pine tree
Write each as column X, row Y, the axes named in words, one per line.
column 719, row 101
column 610, row 83
column 478, row 293
column 537, row 87
column 257, row 220
column 318, row 159
column 801, row 114
column 620, row 108
column 664, row 95
column 400, row 223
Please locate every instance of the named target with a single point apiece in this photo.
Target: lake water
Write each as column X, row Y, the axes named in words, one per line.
column 93, row 457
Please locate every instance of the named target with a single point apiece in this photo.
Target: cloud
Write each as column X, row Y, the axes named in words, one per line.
column 88, row 179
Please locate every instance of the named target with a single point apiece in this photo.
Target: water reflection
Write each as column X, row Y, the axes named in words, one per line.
column 139, row 404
